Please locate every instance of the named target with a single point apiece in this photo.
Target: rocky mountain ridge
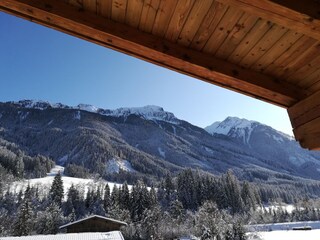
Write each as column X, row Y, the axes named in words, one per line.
column 149, row 142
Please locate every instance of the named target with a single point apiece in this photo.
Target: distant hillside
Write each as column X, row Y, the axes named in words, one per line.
column 148, row 142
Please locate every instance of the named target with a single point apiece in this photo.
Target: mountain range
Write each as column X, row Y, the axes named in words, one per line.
column 148, row 142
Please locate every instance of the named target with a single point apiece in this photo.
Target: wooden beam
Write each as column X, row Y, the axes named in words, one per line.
column 305, row 119
column 123, row 38
column 300, row 16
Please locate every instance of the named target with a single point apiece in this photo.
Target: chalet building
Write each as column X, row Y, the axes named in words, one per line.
column 94, row 223
column 115, row 235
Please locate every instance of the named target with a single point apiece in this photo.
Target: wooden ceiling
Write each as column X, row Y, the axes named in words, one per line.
column 269, row 50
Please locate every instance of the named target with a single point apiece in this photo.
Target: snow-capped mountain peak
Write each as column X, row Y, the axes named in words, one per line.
column 149, row 112
column 233, row 127
column 243, row 129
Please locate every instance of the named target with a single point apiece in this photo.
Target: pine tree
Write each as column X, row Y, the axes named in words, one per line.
column 56, row 192
column 106, row 198
column 48, row 221
column 233, row 193
column 23, row 225
column 124, row 198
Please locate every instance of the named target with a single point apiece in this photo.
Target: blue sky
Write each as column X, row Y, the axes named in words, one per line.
column 42, row 64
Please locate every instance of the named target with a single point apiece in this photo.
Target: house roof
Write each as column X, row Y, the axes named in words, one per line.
column 267, row 49
column 93, row 216
column 114, row 235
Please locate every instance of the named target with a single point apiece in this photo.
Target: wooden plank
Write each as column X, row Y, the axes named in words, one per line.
column 250, row 40
column 265, row 43
column 123, row 38
column 291, row 56
column 104, row 8
column 118, row 11
column 163, row 17
column 300, row 77
column 315, row 86
column 282, row 15
column 239, row 31
column 285, row 43
column 134, row 9
column 196, row 17
column 148, row 15
column 223, row 29
column 76, row 3
column 178, row 19
column 208, row 25
column 305, row 119
column 90, row 5
column 308, row 134
column 309, row 55
column 305, row 110
column 311, row 80
column 309, row 141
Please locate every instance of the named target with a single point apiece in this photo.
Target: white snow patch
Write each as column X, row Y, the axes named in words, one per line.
column 23, row 115
column 148, row 112
column 285, row 235
column 63, row 159
column 161, row 152
column 77, row 115
column 87, row 107
column 278, row 139
column 44, row 184
column 55, row 170
column 174, row 130
column 234, row 127
column 115, row 165
column 209, row 150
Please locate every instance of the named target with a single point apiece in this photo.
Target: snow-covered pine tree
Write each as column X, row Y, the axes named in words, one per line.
column 56, row 192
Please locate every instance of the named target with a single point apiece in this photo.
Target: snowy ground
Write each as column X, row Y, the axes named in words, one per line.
column 283, row 226
column 44, row 184
column 286, row 235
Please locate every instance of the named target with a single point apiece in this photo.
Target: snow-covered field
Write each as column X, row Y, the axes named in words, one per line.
column 286, row 235
column 44, row 184
column 283, row 226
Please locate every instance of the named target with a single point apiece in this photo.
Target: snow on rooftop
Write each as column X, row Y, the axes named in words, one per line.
column 114, row 235
column 93, row 216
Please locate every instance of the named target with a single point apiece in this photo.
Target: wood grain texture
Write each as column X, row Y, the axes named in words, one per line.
column 156, row 50
column 208, row 25
column 290, row 57
column 118, row 12
column 263, row 45
column 148, row 15
column 239, row 31
column 284, row 15
column 104, row 8
column 279, row 48
column 196, row 16
column 163, row 17
column 250, row 40
column 223, row 29
column 178, row 19
column 134, row 9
